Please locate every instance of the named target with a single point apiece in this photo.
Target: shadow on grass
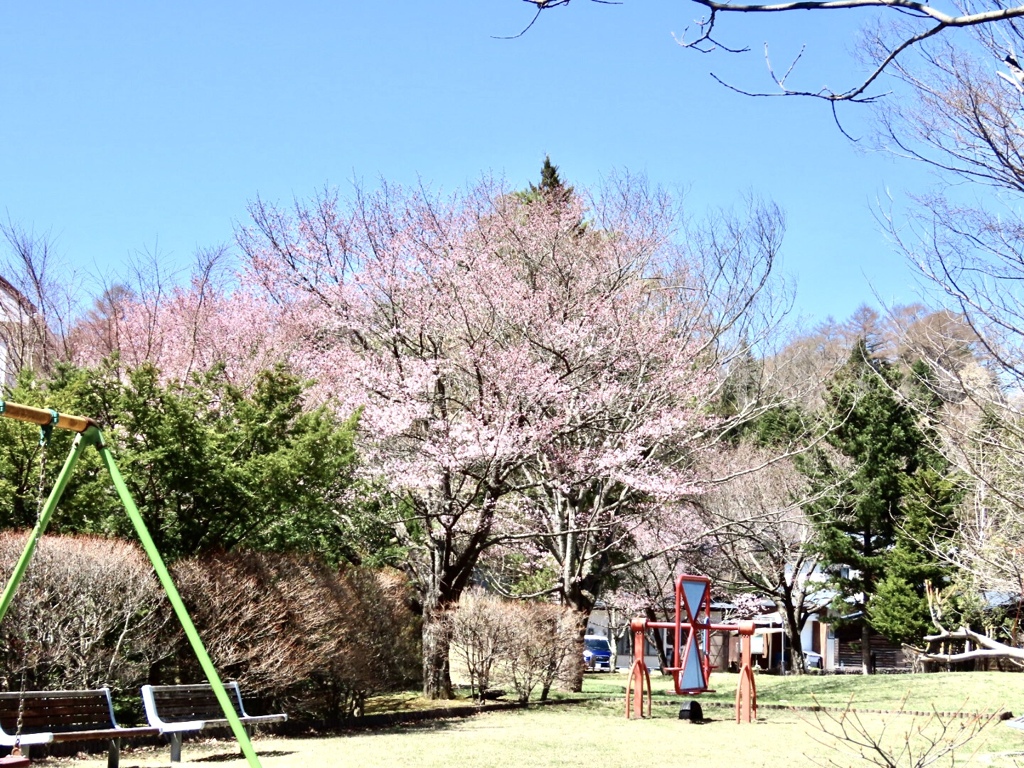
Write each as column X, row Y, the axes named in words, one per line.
column 227, row 756
column 434, row 722
column 410, row 702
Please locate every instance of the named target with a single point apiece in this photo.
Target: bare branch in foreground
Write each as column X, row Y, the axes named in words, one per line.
column 913, row 741
column 935, row 22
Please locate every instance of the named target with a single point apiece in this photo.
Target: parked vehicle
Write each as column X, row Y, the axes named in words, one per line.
column 598, row 653
column 813, row 660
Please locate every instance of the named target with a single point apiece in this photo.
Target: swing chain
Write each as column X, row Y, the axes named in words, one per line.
column 21, row 717
column 44, row 441
column 45, row 430
column 41, row 494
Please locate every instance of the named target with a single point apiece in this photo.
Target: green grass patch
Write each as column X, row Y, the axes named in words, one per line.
column 982, row 692
column 594, row 733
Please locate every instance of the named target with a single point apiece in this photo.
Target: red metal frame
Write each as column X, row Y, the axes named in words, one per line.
column 695, row 621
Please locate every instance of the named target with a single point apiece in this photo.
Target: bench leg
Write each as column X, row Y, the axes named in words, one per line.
column 175, row 746
column 114, row 753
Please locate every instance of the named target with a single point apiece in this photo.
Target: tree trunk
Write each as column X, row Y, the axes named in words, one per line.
column 796, row 643
column 576, row 681
column 437, row 680
column 659, row 642
column 866, row 660
column 443, row 579
column 583, row 604
column 977, row 646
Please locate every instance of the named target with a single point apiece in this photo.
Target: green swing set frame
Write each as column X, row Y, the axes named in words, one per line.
column 89, row 434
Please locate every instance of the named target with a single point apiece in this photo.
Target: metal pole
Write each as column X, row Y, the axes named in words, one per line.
column 783, row 623
column 179, row 607
column 89, row 434
column 639, row 681
column 746, row 691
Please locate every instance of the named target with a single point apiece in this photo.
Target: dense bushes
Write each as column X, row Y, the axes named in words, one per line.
column 210, row 466
column 300, row 634
column 88, row 613
column 521, row 644
column 296, row 633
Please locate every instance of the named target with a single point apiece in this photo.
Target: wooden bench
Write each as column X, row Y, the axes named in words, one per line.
column 59, row 716
column 177, row 709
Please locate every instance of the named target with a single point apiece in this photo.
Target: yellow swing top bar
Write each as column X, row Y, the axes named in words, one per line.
column 44, row 417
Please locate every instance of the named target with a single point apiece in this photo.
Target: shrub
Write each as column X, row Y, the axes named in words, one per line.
column 544, row 649
column 480, row 631
column 86, row 614
column 521, row 644
column 299, row 634
column 294, row 632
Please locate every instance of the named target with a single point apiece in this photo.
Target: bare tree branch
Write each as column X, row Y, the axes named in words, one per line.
column 936, row 20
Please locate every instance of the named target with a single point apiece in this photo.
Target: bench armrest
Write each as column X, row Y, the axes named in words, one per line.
column 153, row 715
column 28, row 739
column 190, row 725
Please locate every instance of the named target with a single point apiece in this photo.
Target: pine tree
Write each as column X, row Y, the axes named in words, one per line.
column 930, row 497
column 862, row 507
column 551, row 186
column 899, row 608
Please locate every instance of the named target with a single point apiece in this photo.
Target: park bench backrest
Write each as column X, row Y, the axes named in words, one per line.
column 182, row 703
column 57, row 711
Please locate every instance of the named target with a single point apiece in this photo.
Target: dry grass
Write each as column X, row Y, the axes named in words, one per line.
column 589, row 734
column 596, row 733
column 412, row 702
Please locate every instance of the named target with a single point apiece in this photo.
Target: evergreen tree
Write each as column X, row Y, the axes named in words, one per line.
column 930, row 497
column 899, row 608
column 211, row 467
column 549, row 179
column 862, row 511
column 550, row 188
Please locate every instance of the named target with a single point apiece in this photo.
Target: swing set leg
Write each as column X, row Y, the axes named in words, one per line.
column 91, row 436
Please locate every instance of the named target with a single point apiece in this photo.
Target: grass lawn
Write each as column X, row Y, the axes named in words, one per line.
column 982, row 692
column 596, row 734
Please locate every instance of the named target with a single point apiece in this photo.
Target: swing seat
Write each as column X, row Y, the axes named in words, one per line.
column 15, row 759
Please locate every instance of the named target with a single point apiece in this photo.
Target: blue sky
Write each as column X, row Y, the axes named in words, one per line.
column 133, row 127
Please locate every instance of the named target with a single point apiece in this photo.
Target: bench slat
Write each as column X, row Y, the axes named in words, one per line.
column 57, row 711
column 107, row 733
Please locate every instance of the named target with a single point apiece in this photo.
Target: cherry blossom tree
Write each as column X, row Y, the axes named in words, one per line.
column 766, row 538
column 612, row 489
column 656, row 557
column 184, row 329
column 516, row 360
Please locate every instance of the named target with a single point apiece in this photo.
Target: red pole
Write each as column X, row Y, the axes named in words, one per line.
column 746, row 692
column 639, row 675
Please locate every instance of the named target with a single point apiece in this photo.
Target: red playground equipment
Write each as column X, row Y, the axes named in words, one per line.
column 691, row 662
